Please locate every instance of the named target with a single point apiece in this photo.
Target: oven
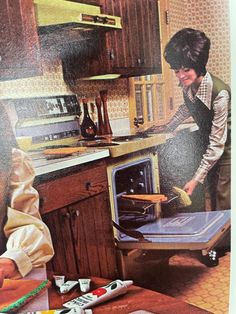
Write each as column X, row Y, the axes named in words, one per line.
column 133, row 174
column 140, row 225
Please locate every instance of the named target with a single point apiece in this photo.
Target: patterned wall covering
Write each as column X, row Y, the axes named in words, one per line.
column 50, row 83
column 212, row 16
column 118, row 106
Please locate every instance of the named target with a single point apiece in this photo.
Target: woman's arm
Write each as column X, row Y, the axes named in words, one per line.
column 181, row 115
column 29, row 242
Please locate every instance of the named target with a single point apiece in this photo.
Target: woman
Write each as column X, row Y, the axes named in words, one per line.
column 207, row 101
column 25, row 240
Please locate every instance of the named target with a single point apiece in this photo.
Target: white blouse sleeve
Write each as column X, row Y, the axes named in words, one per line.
column 29, row 242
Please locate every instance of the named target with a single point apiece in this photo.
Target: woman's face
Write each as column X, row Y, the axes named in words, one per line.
column 186, row 76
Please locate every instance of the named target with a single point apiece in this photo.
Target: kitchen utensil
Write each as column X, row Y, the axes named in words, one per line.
column 131, row 233
column 64, row 151
column 108, row 130
column 101, row 127
column 152, row 198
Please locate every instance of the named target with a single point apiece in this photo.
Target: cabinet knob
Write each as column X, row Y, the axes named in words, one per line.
column 75, row 213
column 139, row 61
column 66, row 215
column 0, row 58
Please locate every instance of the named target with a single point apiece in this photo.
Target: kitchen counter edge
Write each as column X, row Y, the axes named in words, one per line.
column 60, row 164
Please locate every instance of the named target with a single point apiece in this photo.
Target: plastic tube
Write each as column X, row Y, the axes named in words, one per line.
column 59, row 280
column 67, row 286
column 113, row 289
column 84, row 284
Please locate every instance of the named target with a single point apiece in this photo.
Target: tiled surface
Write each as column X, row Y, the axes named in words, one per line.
column 117, row 95
column 195, row 283
column 187, row 279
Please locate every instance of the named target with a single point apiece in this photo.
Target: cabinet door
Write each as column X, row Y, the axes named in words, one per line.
column 83, row 239
column 132, row 51
column 93, row 237
column 136, row 49
column 59, row 224
column 19, row 45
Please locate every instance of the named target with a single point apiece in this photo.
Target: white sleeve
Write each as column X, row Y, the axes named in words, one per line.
column 28, row 239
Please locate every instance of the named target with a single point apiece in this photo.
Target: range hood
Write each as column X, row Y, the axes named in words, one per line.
column 56, row 14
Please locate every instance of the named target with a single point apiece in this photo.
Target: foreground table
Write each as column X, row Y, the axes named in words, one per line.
column 135, row 299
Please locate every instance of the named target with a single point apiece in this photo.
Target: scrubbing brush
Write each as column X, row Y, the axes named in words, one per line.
column 184, row 199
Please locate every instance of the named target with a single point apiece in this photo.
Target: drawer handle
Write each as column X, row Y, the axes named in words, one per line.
column 88, row 186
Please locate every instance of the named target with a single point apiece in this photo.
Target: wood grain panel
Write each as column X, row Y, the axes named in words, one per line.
column 67, row 190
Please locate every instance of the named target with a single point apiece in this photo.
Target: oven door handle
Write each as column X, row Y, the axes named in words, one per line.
column 131, row 233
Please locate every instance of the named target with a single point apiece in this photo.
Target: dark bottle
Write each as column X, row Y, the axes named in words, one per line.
column 88, row 128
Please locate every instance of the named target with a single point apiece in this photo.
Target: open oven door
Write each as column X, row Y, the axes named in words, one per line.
column 182, row 231
column 189, row 231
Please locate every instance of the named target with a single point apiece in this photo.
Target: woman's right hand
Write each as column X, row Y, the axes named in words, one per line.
column 190, row 186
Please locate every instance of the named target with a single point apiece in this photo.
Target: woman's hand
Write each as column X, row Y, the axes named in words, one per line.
column 8, row 269
column 156, row 129
column 190, row 186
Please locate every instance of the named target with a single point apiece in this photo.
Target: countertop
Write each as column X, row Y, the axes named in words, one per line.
column 44, row 166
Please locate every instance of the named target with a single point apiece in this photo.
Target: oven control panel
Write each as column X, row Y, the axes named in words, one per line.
column 46, row 119
column 45, row 107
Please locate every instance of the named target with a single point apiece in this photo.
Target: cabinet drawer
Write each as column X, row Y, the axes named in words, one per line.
column 74, row 187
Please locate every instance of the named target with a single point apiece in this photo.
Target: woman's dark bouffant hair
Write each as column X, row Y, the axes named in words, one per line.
column 188, row 48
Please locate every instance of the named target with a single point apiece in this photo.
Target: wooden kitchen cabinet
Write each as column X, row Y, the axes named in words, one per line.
column 76, row 209
column 19, row 44
column 136, row 49
column 132, row 51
